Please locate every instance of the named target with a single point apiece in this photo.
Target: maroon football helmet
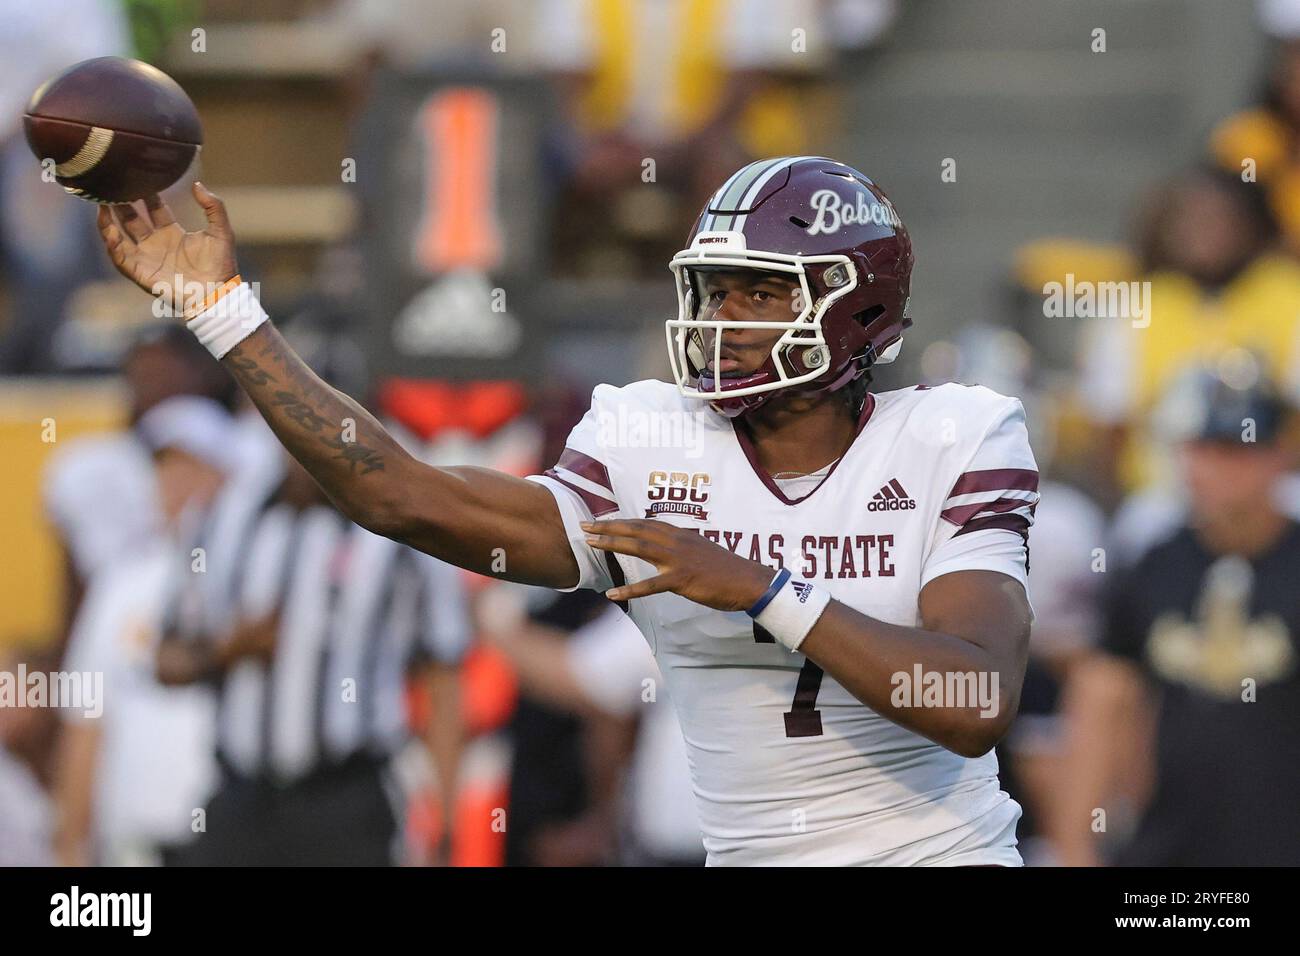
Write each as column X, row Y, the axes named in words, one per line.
column 825, row 226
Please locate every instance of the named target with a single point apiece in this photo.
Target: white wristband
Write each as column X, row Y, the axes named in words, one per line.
column 229, row 321
column 789, row 609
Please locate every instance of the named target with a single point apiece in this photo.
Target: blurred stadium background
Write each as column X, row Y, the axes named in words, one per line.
column 464, row 210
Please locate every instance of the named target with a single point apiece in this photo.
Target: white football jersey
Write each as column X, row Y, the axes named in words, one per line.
column 787, row 766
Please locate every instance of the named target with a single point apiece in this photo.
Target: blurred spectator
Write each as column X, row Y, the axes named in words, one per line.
column 1192, row 710
column 26, row 815
column 605, row 673
column 131, row 779
column 1261, row 144
column 26, row 810
column 1213, row 280
column 415, row 34
column 307, row 629
column 101, row 491
column 698, row 87
column 562, row 773
column 47, row 241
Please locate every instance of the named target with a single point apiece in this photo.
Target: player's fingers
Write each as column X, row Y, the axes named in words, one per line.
column 113, row 236
column 637, row 589
column 160, row 214
column 108, row 230
column 114, row 241
column 625, row 544
column 629, row 527
column 214, row 209
column 131, row 222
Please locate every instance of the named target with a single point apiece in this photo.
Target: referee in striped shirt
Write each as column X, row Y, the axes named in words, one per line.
column 308, row 626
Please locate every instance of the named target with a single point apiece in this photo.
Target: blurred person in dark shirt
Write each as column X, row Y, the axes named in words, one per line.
column 1192, row 709
column 562, row 768
column 641, row 810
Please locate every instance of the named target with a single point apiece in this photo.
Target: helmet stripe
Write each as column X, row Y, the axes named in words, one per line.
column 757, row 187
column 732, row 190
column 740, row 190
column 736, row 187
column 713, row 222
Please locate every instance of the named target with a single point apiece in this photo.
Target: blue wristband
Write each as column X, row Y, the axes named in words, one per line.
column 777, row 584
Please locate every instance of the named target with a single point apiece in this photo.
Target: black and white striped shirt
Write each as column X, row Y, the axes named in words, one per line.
column 355, row 609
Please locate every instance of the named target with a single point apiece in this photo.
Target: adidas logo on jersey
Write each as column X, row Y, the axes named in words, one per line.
column 892, row 497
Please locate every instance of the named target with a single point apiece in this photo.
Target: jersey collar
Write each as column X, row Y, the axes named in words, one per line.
column 747, row 446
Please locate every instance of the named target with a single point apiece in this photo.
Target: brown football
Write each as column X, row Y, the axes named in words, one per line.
column 116, row 130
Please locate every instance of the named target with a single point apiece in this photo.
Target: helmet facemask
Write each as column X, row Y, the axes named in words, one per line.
column 799, row 356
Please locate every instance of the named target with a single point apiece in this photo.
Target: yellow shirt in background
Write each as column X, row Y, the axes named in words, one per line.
column 1131, row 368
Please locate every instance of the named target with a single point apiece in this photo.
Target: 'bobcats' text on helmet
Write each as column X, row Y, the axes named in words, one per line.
column 828, row 228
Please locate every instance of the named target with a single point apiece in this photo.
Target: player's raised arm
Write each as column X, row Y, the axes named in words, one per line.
column 475, row 518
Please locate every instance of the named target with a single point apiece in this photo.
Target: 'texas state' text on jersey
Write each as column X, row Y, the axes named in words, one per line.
column 788, row 767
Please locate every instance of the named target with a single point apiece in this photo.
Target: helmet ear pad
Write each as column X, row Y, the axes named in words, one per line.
column 872, row 316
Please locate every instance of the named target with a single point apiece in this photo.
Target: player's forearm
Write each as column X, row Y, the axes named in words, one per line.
column 358, row 464
column 474, row 518
column 874, row 661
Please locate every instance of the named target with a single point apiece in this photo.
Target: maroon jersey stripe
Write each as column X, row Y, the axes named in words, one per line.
column 586, row 467
column 960, row 514
column 996, row 479
column 597, row 505
column 1016, row 523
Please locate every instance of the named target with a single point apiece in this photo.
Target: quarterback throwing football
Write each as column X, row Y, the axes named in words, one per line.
column 831, row 580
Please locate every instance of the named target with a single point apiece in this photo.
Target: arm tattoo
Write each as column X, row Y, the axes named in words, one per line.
column 356, row 454
column 302, row 405
column 248, row 370
column 299, row 411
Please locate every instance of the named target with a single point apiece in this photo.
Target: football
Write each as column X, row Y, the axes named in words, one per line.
column 114, row 129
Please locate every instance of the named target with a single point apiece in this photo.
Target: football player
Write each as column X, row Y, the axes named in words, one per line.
column 831, row 580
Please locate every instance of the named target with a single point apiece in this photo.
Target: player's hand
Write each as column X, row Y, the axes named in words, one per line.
column 688, row 563
column 148, row 247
